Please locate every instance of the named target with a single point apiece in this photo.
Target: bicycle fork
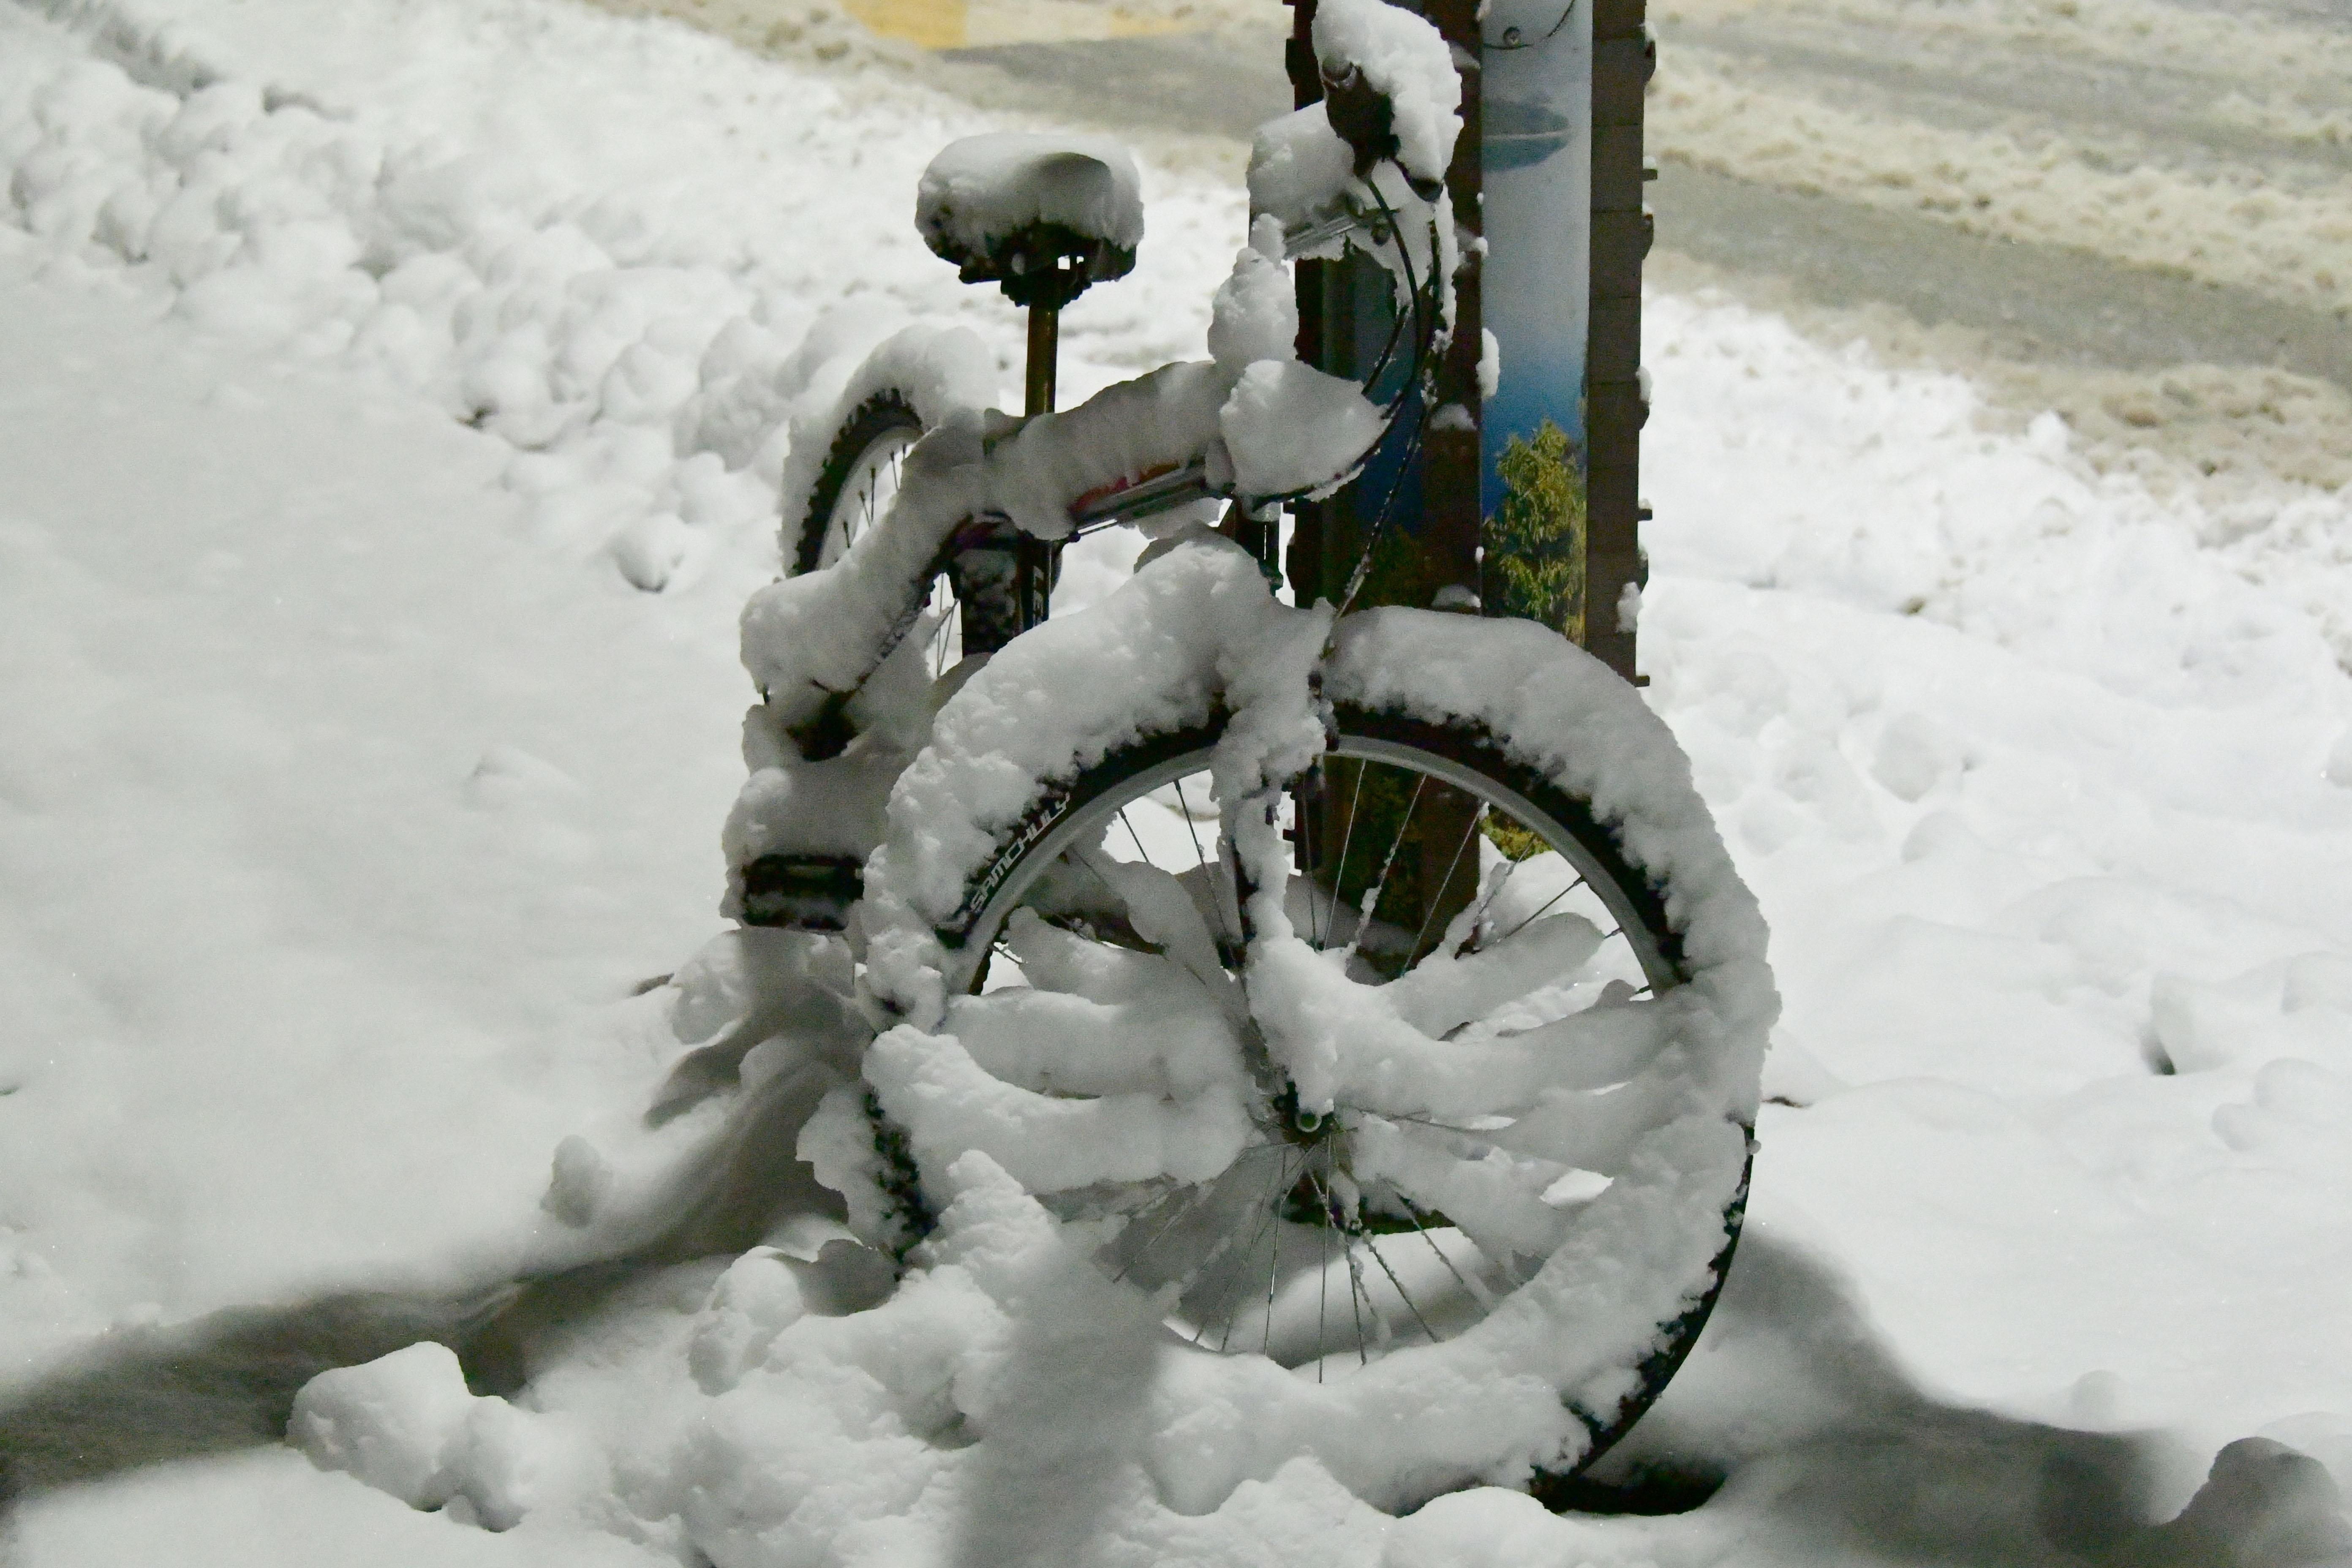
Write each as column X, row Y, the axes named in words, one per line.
column 1002, row 584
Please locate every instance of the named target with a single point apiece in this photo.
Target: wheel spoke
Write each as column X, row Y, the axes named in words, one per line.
column 1358, row 1296
column 1439, row 1126
column 1539, row 909
column 1421, row 1227
column 1185, row 1282
column 1340, row 873
column 1270, row 1215
column 1272, row 1273
column 1323, row 1272
column 1200, row 854
column 946, row 627
column 1145, row 854
column 1435, row 897
column 1187, row 1207
column 1510, row 870
column 1402, row 1294
column 1371, row 902
column 1199, row 1191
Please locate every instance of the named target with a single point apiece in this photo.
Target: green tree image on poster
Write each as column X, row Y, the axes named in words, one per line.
column 1535, row 542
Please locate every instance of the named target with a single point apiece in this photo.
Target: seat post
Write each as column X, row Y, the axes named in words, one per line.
column 982, row 206
column 1044, row 347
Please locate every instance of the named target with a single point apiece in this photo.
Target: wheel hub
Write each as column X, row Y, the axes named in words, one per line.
column 1301, row 1126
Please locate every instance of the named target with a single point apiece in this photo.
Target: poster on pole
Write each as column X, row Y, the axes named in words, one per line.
column 1536, row 154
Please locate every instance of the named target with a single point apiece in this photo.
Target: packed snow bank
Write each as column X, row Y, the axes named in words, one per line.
column 2236, row 226
column 468, row 203
column 316, row 882
column 996, row 1406
column 1883, row 489
column 406, row 1424
column 2030, row 768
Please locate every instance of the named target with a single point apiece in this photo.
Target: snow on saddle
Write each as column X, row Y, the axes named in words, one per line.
column 1042, row 216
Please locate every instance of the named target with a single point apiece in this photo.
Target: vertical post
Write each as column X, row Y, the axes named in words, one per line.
column 1623, row 58
column 1453, row 463
column 1537, row 144
column 1424, row 481
column 1303, row 566
column 1451, row 459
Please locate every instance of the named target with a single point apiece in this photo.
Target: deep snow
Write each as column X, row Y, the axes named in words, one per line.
column 349, row 787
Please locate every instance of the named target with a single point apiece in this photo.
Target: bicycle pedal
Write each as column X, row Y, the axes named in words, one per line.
column 802, row 892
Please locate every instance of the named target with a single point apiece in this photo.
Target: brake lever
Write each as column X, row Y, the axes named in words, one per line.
column 1315, row 235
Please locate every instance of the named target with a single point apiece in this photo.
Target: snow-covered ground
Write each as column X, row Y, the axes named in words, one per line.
column 2217, row 148
column 2136, row 211
column 390, row 440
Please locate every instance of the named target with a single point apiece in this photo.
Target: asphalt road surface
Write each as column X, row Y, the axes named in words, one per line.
column 2081, row 201
column 2088, row 160
column 2069, row 303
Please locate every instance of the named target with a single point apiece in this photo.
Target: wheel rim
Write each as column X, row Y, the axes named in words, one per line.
column 871, row 484
column 1292, row 1252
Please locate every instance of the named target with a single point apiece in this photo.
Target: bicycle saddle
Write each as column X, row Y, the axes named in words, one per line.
column 1043, row 217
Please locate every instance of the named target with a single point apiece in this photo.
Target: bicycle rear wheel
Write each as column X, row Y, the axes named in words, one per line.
column 853, row 488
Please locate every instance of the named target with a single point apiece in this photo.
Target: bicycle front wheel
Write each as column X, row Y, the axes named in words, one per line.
column 1426, row 850
column 1550, row 1196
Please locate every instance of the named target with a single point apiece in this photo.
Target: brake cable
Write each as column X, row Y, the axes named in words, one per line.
column 1424, row 338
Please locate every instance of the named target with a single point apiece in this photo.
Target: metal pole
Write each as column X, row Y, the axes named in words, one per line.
column 1303, row 566
column 1623, row 57
column 1452, row 458
column 1452, row 464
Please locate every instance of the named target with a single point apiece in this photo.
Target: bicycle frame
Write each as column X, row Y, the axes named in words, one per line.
column 1178, row 481
column 989, row 502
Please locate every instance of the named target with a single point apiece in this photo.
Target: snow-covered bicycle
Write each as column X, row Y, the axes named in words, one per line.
column 1368, row 996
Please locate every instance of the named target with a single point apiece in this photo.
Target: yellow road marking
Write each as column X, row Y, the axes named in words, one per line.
column 974, row 24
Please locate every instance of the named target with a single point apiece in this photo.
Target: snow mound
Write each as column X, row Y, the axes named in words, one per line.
column 1298, row 168
column 1291, row 427
column 2263, row 1503
column 406, row 1424
column 396, row 1423
column 1004, row 1367
column 640, row 319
